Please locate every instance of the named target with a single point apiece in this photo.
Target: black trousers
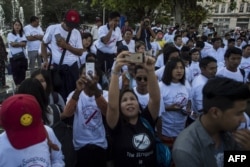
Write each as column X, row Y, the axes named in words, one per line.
column 105, row 61
column 19, row 68
column 69, row 76
column 91, row 156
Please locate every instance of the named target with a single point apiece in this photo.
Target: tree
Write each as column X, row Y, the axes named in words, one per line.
column 53, row 11
column 192, row 12
column 135, row 9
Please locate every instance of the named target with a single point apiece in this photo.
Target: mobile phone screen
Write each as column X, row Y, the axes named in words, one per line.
column 90, row 69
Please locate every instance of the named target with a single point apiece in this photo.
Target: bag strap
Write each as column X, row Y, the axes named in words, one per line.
column 64, row 50
column 55, row 97
column 63, row 53
column 147, row 125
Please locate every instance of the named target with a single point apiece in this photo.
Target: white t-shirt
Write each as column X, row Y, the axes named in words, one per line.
column 196, row 92
column 144, row 99
column 245, row 65
column 169, row 38
column 110, row 47
column 194, row 70
column 131, row 80
column 83, row 57
column 159, row 73
column 160, row 61
column 130, row 45
column 173, row 122
column 155, row 47
column 35, row 155
column 224, row 72
column 75, row 41
column 31, row 31
column 94, row 32
column 246, row 124
column 184, row 40
column 88, row 126
column 218, row 55
column 15, row 38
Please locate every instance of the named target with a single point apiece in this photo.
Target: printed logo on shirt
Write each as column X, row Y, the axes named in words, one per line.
column 141, row 141
column 92, row 117
column 195, row 72
column 181, row 99
column 35, row 162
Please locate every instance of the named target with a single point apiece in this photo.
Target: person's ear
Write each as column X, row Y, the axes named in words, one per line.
column 215, row 112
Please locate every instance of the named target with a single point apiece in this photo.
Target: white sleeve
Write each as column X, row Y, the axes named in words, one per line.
column 56, row 156
column 10, row 38
column 197, row 98
column 120, row 35
column 26, row 31
column 48, row 34
column 101, row 32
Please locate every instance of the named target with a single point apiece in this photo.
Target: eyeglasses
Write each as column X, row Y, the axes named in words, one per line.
column 141, row 78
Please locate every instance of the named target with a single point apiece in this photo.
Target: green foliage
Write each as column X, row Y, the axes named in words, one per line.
column 195, row 17
column 136, row 8
column 53, row 11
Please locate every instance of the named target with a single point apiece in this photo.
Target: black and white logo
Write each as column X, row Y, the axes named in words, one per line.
column 141, row 141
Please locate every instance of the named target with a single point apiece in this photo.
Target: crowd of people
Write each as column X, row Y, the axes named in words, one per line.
column 193, row 89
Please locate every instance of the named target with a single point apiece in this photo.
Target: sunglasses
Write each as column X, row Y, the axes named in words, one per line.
column 141, row 78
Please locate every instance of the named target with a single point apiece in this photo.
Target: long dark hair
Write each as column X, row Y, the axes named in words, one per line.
column 167, row 75
column 86, row 35
column 33, row 87
column 47, row 78
column 167, row 50
column 21, row 30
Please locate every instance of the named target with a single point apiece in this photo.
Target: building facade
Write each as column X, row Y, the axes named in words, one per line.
column 225, row 19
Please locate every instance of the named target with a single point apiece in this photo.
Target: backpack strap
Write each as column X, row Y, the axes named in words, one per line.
column 147, row 125
column 56, row 114
column 242, row 71
column 55, row 97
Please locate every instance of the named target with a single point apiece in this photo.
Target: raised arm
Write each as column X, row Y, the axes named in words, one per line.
column 153, row 87
column 70, row 107
column 112, row 115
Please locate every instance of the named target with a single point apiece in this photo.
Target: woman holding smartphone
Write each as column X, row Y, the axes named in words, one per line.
column 133, row 143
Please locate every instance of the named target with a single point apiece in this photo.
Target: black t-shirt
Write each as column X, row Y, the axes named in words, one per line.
column 134, row 145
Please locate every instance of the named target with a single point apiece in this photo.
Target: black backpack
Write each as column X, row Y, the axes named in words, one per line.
column 64, row 134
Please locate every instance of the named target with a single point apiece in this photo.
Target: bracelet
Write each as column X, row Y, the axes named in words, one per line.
column 115, row 73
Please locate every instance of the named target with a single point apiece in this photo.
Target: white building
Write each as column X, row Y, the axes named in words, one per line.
column 224, row 19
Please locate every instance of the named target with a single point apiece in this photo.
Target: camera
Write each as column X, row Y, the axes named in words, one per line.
column 136, row 57
column 146, row 23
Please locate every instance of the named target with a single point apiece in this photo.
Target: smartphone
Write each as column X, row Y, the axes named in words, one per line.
column 90, row 69
column 136, row 57
column 58, row 36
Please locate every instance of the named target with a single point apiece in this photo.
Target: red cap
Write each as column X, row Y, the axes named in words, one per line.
column 21, row 118
column 72, row 18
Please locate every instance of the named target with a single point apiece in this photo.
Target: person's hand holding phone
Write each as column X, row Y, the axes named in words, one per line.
column 60, row 41
column 81, row 82
column 149, row 63
column 121, row 60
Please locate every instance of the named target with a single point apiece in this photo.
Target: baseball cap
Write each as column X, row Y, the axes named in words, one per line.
column 21, row 118
column 72, row 18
